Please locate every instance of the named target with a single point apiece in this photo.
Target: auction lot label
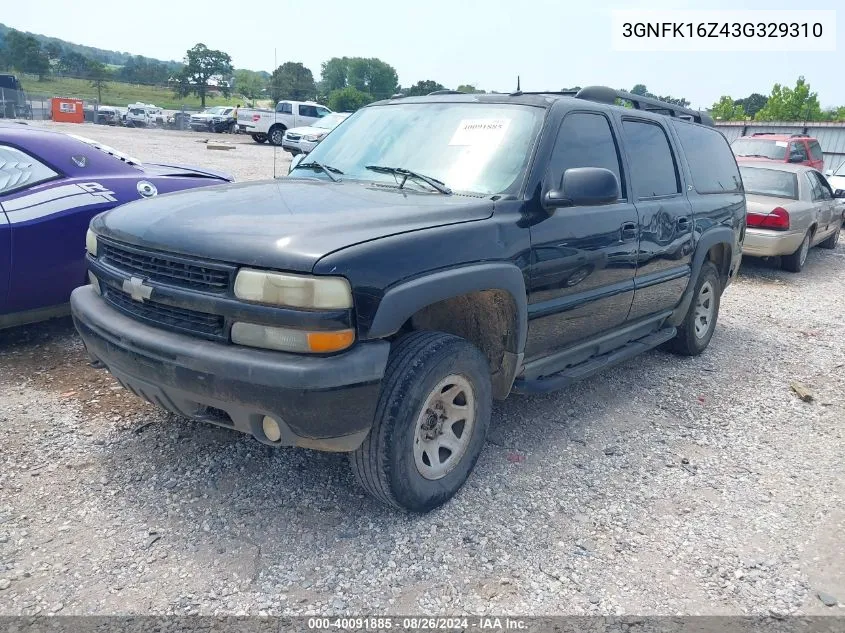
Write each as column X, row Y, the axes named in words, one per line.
column 716, row 30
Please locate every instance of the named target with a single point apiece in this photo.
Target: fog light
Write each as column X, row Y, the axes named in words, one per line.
column 95, row 283
column 271, row 429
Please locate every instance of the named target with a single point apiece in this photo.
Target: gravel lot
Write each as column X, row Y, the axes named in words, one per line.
column 664, row 486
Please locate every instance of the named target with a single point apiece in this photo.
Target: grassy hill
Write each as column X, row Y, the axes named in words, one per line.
column 118, row 94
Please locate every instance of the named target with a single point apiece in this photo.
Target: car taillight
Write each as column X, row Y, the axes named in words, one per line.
column 256, row 117
column 777, row 219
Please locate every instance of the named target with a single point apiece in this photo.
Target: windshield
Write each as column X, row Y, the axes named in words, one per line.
column 770, row 182
column 216, row 110
column 767, row 148
column 329, row 122
column 840, row 171
column 473, row 147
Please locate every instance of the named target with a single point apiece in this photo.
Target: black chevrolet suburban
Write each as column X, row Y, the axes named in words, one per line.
column 430, row 255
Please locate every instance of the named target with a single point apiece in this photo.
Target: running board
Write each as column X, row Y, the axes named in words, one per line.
column 593, row 366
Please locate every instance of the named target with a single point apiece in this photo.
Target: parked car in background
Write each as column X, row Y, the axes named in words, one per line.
column 144, row 115
column 783, row 148
column 264, row 124
column 51, row 185
column 301, row 140
column 107, row 115
column 836, row 177
column 215, row 119
column 13, row 101
column 791, row 208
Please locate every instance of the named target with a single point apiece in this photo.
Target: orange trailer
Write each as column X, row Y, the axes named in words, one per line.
column 67, row 110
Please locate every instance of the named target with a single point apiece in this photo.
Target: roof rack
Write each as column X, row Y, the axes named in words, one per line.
column 605, row 94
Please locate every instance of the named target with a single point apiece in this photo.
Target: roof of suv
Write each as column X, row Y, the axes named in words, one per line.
column 771, row 136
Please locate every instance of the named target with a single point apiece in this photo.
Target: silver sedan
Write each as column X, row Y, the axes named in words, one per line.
column 791, row 208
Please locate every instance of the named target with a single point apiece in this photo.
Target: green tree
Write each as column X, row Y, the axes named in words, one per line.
column 836, row 114
column 752, row 104
column 73, row 64
column 53, row 51
column 201, row 64
column 422, row 88
column 369, row 75
column 24, row 53
column 726, row 110
column 99, row 75
column 348, row 99
column 791, row 104
column 250, row 84
column 294, row 81
column 469, row 89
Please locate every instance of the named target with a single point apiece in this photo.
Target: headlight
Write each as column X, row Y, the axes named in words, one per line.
column 91, row 243
column 296, row 291
column 290, row 340
column 313, row 137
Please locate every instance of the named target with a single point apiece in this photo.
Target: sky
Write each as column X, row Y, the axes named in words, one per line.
column 550, row 44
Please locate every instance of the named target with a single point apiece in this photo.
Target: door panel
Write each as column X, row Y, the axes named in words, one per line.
column 583, row 259
column 5, row 261
column 666, row 222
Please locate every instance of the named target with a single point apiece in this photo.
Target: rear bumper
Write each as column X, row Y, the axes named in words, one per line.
column 324, row 403
column 763, row 243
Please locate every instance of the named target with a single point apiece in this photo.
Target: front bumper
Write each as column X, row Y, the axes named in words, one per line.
column 765, row 243
column 324, row 403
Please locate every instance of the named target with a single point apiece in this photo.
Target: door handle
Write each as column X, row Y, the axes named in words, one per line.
column 628, row 231
column 683, row 223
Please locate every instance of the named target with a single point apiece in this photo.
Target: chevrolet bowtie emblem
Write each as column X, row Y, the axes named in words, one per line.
column 135, row 288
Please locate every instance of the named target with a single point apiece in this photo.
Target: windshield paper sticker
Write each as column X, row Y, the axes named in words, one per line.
column 780, row 143
column 474, row 132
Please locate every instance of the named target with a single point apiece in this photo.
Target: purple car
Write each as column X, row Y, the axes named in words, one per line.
column 51, row 185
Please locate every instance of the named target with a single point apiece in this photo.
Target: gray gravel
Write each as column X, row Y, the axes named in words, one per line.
column 664, row 486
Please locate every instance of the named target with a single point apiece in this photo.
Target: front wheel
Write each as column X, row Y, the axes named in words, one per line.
column 430, row 422
column 697, row 328
column 794, row 263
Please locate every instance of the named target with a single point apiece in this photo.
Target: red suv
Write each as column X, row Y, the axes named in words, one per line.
column 783, row 148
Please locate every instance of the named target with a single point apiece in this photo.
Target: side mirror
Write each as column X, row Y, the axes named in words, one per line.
column 796, row 157
column 583, row 186
column 839, row 193
column 295, row 161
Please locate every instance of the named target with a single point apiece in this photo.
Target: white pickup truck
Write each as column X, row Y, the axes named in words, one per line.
column 265, row 124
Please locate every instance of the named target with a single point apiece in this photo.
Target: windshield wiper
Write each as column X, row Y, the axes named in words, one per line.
column 755, row 156
column 407, row 173
column 326, row 169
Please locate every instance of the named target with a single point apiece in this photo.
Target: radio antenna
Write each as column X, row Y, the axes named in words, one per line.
column 275, row 147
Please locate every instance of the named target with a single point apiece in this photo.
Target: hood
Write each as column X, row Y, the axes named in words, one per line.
column 160, row 169
column 307, row 129
column 286, row 224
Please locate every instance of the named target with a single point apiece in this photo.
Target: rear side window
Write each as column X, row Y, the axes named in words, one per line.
column 710, row 159
column 284, row 108
column 770, row 182
column 653, row 169
column 585, row 140
column 821, row 190
column 19, row 170
column 816, row 151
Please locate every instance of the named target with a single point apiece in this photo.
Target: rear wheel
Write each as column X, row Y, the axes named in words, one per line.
column 430, row 423
column 832, row 240
column 259, row 138
column 697, row 329
column 794, row 263
column 277, row 134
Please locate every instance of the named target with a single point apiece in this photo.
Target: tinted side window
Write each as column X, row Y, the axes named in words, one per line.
column 710, row 159
column 307, row 110
column 800, row 149
column 815, row 187
column 653, row 169
column 824, row 187
column 19, row 170
column 816, row 150
column 284, row 108
column 585, row 140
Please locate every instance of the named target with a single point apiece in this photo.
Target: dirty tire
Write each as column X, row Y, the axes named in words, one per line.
column 259, row 138
column 688, row 341
column 276, row 135
column 832, row 240
column 385, row 464
column 795, row 263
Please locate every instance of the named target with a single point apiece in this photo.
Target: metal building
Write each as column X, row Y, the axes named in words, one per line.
column 831, row 136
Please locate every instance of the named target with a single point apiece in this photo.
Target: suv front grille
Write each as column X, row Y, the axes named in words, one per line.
column 210, row 326
column 166, row 268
